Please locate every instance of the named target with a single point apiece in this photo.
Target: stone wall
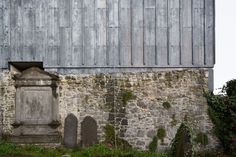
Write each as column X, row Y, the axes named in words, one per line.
column 138, row 104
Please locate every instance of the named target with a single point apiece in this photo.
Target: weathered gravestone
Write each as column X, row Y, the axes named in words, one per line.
column 70, row 131
column 88, row 132
column 36, row 109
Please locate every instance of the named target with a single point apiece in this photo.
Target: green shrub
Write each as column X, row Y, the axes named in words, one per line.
column 113, row 140
column 161, row 134
column 166, row 105
column 126, row 96
column 202, row 138
column 181, row 145
column 153, row 145
column 222, row 111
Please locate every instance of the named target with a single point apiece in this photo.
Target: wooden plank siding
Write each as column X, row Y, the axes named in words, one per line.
column 108, row 33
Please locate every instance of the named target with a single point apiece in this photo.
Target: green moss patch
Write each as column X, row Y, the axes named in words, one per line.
column 166, row 105
column 113, row 140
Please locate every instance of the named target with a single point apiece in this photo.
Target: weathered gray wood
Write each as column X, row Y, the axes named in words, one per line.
column 4, row 55
column 6, row 22
column 198, row 32
column 1, row 26
column 16, row 30
column 101, row 33
column 186, row 32
column 65, row 47
column 53, row 37
column 108, row 33
column 65, row 13
column 40, row 41
column 149, row 32
column 162, row 32
column 174, row 32
column 77, row 32
column 137, row 32
column 209, row 32
column 89, row 32
column 113, row 57
column 28, row 26
column 125, row 32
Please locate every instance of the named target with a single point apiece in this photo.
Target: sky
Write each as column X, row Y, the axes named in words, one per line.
column 225, row 67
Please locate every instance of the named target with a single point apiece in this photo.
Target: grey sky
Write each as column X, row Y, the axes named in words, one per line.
column 225, row 68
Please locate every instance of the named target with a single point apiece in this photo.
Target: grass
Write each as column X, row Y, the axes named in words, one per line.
column 12, row 150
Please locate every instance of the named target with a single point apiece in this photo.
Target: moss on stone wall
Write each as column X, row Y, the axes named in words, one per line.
column 112, row 139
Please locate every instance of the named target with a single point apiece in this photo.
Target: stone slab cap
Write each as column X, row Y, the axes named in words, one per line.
column 35, row 73
column 35, row 76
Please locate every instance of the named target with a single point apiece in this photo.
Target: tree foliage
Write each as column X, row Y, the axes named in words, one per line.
column 222, row 111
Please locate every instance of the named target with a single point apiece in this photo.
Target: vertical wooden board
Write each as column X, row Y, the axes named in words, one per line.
column 76, row 56
column 15, row 39
column 52, row 4
column 53, row 56
column 150, row 32
column 113, row 13
column 28, row 26
column 53, row 35
column 137, row 32
column 186, row 32
column 6, row 23
column 16, row 23
column 89, row 13
column 77, row 29
column 14, row 14
column 52, row 26
column 113, row 47
column 40, row 11
column 1, row 26
column 89, row 46
column 209, row 33
column 89, row 32
column 1, row 3
column 40, row 42
column 4, row 55
column 198, row 32
column 125, row 32
column 65, row 56
column 101, row 33
column 65, row 13
column 162, row 32
column 174, row 32
column 113, row 57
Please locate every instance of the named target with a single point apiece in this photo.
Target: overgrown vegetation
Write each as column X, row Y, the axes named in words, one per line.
column 222, row 111
column 182, row 145
column 202, row 139
column 161, row 134
column 173, row 121
column 126, row 96
column 113, row 140
column 7, row 149
column 153, row 144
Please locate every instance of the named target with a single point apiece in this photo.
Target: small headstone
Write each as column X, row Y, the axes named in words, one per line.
column 70, row 131
column 88, row 132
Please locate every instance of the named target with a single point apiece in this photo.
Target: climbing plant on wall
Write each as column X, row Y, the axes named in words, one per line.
column 222, row 111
